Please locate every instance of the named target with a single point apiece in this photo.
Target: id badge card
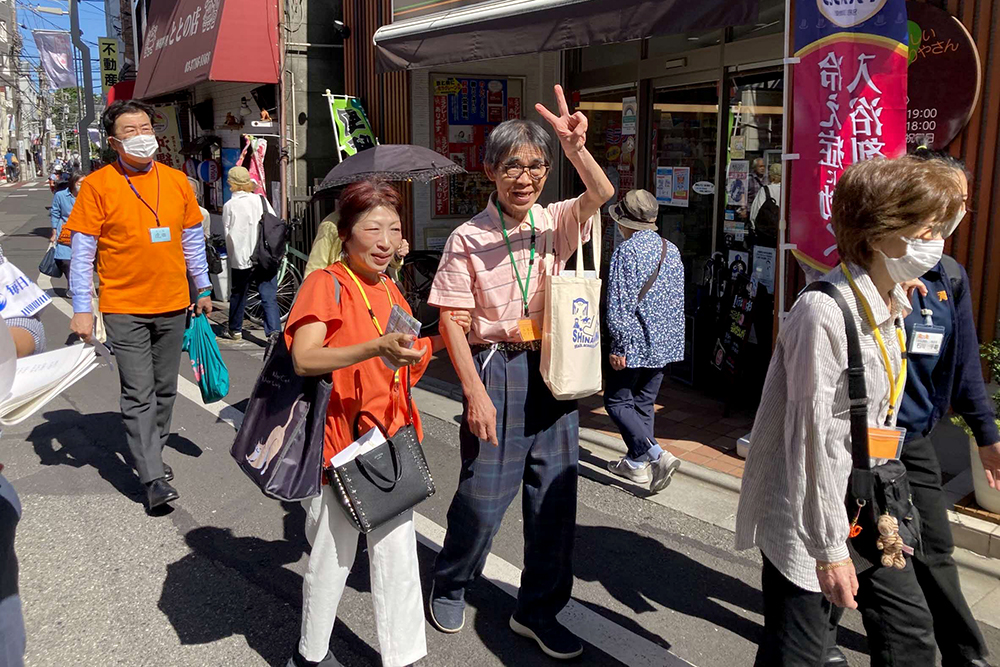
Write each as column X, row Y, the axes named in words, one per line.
column 529, row 330
column 885, row 442
column 926, row 339
column 159, row 234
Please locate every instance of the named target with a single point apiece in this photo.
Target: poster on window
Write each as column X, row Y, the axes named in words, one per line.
column 665, row 185
column 737, row 181
column 682, row 187
column 849, row 104
column 465, row 111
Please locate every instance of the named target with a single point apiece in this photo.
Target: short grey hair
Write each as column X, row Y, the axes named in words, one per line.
column 510, row 135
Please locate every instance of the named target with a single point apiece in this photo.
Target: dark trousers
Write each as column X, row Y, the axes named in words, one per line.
column 242, row 281
column 12, row 638
column 630, row 397
column 956, row 631
column 63, row 265
column 537, row 453
column 148, row 351
column 800, row 625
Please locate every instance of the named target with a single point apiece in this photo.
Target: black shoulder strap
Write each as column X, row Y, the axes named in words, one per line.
column 857, row 391
column 953, row 272
column 652, row 279
column 767, row 193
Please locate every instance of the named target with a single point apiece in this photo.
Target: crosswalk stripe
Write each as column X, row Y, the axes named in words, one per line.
column 602, row 633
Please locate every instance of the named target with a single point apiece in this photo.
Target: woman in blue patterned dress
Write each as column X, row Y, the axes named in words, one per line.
column 646, row 320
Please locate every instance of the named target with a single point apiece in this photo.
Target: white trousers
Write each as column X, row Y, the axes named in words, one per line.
column 395, row 582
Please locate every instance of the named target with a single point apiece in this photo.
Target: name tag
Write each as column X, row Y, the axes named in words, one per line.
column 529, row 330
column 926, row 339
column 885, row 443
column 159, row 234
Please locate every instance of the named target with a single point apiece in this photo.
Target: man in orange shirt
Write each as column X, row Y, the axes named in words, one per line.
column 142, row 221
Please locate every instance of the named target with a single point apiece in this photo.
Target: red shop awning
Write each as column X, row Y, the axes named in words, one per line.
column 189, row 41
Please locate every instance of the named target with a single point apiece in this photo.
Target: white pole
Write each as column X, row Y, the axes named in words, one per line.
column 785, row 143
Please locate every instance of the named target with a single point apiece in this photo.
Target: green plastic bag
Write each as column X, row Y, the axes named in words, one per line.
column 210, row 371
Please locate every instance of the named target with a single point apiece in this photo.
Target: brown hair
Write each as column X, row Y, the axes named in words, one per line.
column 877, row 199
column 359, row 198
column 244, row 187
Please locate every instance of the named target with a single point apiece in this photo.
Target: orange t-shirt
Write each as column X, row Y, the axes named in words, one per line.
column 138, row 277
column 368, row 385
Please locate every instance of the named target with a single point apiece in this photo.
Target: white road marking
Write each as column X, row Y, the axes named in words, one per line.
column 12, row 196
column 606, row 635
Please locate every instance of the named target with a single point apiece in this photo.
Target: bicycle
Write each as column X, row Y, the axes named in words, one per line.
column 289, row 281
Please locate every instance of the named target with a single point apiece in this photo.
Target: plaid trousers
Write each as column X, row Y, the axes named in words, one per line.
column 538, row 452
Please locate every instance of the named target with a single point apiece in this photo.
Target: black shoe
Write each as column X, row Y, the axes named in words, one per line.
column 298, row 661
column 834, row 657
column 979, row 662
column 554, row 639
column 158, row 492
column 168, row 473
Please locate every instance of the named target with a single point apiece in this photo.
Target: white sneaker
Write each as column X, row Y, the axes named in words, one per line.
column 622, row 469
column 663, row 469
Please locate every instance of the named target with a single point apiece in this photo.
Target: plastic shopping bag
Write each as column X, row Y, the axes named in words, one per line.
column 48, row 264
column 210, row 371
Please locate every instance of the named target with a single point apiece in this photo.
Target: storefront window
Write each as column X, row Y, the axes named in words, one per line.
column 683, row 168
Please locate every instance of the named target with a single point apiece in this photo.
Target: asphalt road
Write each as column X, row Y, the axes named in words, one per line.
column 217, row 581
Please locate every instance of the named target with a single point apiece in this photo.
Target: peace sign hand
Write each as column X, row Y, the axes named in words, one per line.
column 571, row 130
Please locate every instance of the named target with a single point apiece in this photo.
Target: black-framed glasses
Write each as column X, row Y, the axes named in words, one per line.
column 536, row 170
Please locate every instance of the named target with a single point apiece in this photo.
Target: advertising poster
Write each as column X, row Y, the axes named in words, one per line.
column 682, row 187
column 108, row 58
column 465, row 112
column 849, row 104
column 764, row 261
column 351, row 127
column 665, row 185
column 168, row 135
column 629, row 113
column 737, row 182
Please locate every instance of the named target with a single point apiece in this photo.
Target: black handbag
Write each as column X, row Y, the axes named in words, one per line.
column 381, row 484
column 48, row 265
column 871, row 491
column 280, row 442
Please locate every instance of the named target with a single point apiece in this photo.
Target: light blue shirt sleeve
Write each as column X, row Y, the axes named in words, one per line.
column 56, row 214
column 81, row 271
column 193, row 243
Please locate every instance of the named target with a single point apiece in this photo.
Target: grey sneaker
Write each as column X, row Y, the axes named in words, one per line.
column 624, row 470
column 298, row 661
column 447, row 615
column 231, row 335
column 663, row 469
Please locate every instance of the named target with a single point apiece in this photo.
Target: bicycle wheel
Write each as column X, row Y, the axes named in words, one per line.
column 416, row 277
column 288, row 286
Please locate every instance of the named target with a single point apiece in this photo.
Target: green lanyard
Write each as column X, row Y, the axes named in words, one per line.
column 531, row 260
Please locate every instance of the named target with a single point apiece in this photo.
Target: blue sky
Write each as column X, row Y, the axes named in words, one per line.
column 92, row 23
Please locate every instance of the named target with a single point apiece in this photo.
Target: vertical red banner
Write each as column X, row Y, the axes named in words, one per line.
column 849, row 104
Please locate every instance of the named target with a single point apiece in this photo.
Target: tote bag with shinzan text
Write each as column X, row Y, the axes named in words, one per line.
column 571, row 329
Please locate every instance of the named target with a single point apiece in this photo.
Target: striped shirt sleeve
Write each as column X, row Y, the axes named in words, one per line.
column 453, row 283
column 815, row 348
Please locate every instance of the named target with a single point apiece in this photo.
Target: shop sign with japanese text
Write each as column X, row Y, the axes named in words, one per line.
column 849, row 104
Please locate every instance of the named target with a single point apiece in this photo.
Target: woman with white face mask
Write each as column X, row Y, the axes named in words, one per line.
column 943, row 371
column 888, row 216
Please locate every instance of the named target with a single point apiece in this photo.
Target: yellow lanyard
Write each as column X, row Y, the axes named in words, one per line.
column 378, row 327
column 896, row 384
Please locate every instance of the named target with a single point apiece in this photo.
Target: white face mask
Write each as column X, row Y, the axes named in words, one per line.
column 141, row 146
column 920, row 257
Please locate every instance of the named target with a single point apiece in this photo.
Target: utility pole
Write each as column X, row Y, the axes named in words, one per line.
column 88, row 84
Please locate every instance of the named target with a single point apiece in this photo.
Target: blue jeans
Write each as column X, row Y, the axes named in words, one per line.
column 538, row 453
column 629, row 398
column 242, row 281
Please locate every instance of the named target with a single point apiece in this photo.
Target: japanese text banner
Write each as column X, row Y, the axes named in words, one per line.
column 848, row 105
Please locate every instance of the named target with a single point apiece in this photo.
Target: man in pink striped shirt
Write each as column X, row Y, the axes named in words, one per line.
column 514, row 432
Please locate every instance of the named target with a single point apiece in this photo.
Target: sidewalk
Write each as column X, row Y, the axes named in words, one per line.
column 688, row 424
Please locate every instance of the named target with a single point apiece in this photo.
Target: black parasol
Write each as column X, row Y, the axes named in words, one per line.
column 391, row 162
